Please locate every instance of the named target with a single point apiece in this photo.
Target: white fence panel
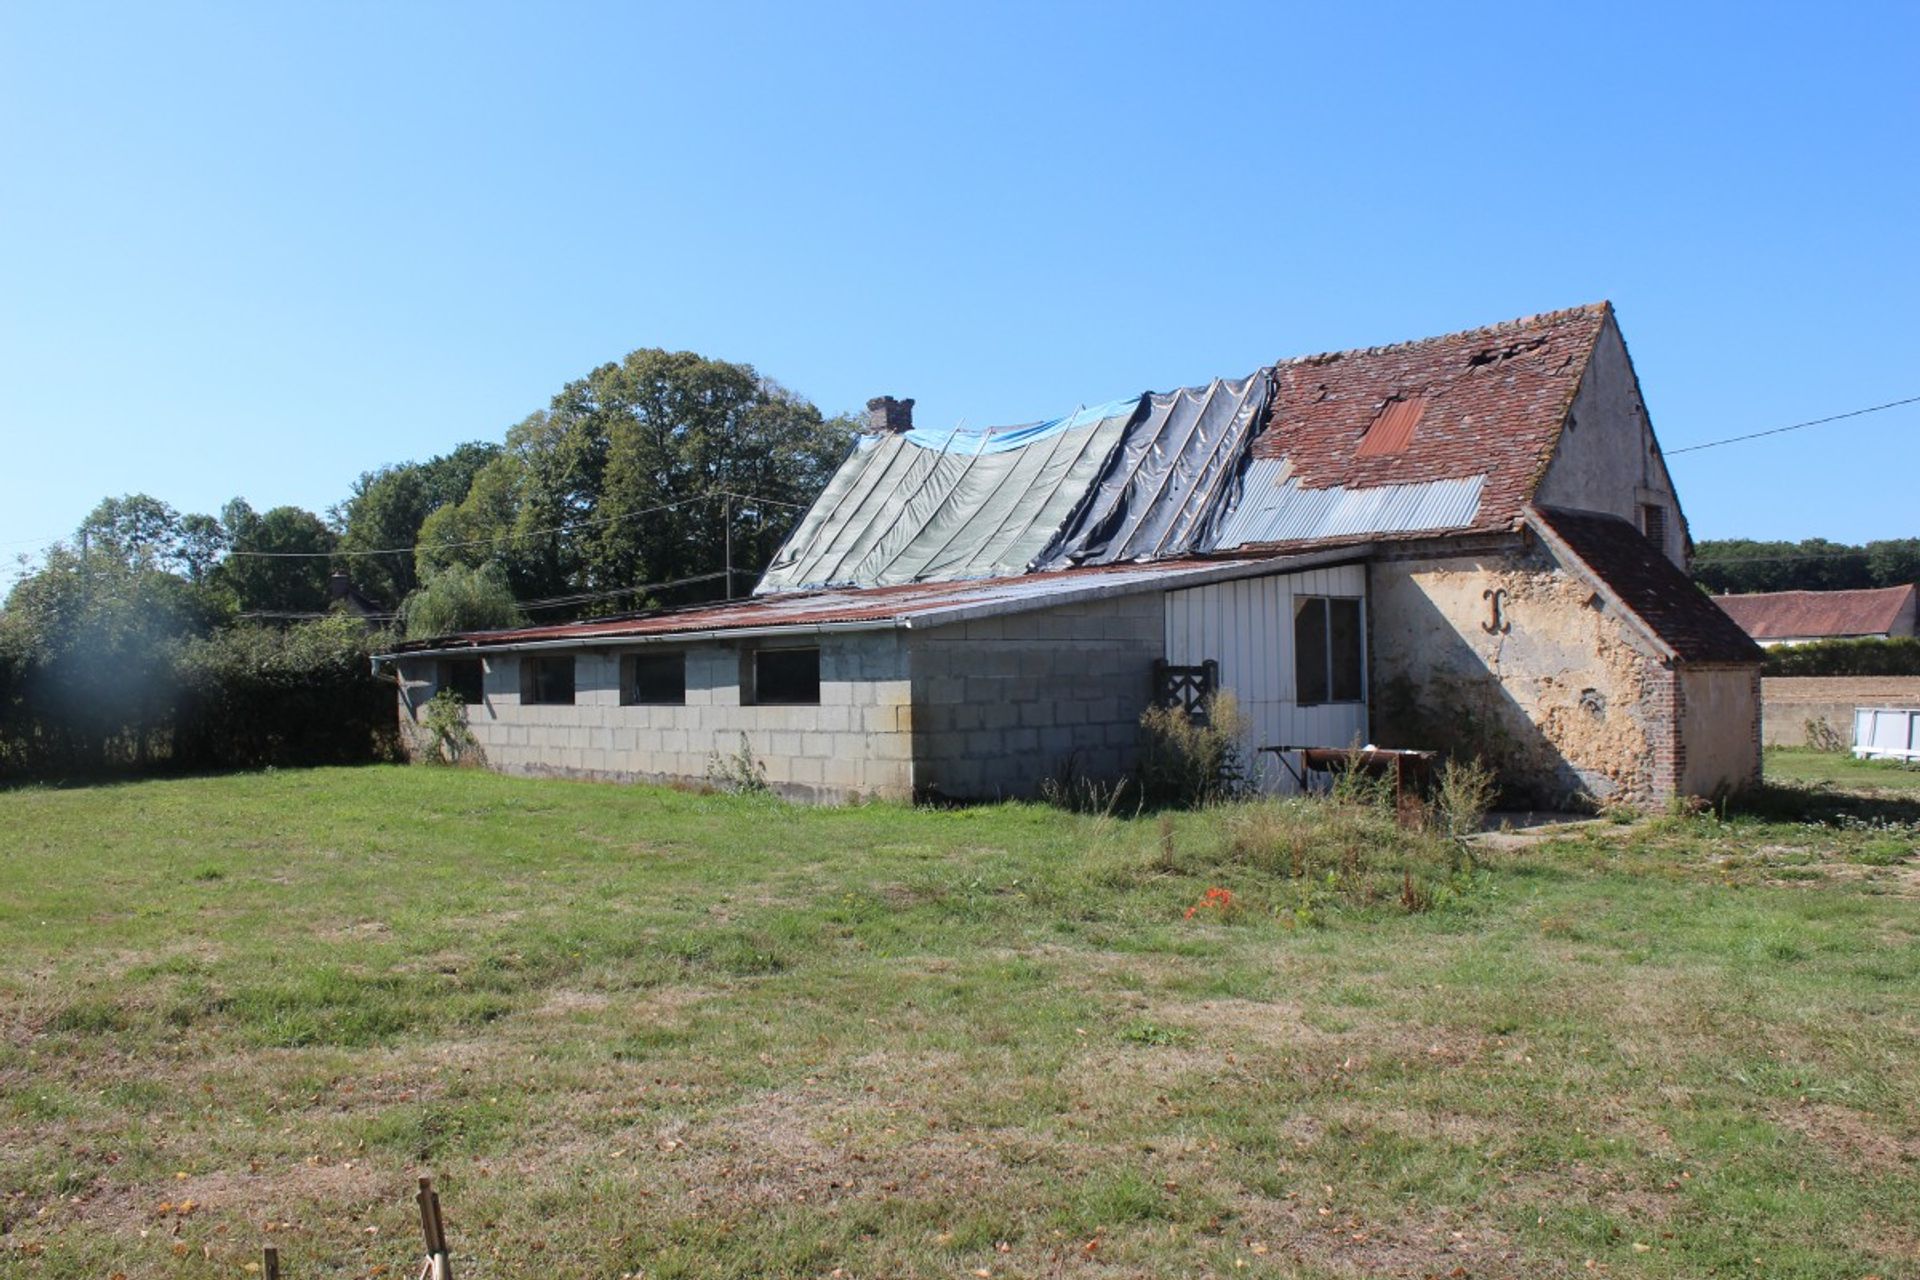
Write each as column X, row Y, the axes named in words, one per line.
column 1886, row 733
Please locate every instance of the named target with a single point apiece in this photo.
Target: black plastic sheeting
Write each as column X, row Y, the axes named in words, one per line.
column 1171, row 478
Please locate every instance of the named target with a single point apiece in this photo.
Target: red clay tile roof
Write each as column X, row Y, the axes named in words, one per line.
column 1495, row 400
column 1652, row 586
column 1795, row 615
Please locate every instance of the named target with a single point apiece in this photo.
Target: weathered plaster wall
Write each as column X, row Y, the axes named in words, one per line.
column 1607, row 460
column 1562, row 697
column 1719, row 732
column 856, row 743
column 1791, row 701
column 1002, row 704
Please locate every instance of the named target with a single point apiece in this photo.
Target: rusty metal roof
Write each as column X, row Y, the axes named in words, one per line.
column 1808, row 615
column 909, row 605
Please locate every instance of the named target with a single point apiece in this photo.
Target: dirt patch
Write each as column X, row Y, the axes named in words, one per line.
column 1852, row 1137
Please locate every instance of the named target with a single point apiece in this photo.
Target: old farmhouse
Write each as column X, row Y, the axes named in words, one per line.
column 1468, row 543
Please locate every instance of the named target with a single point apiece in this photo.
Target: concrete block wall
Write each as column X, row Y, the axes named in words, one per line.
column 1001, row 704
column 856, row 743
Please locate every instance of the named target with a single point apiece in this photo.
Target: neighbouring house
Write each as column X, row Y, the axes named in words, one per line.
column 1801, row 617
column 1469, row 543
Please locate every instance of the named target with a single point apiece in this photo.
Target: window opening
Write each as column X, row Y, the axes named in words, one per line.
column 546, row 681
column 1328, row 650
column 1653, row 522
column 786, row 677
column 653, row 679
column 465, row 676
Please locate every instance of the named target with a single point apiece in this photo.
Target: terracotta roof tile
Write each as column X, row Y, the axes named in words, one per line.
column 1793, row 615
column 1658, row 592
column 1493, row 401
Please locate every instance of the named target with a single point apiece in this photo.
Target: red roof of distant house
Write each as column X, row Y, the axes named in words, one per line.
column 1807, row 615
column 1489, row 401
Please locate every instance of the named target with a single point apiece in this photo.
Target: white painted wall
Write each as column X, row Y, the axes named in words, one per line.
column 1247, row 627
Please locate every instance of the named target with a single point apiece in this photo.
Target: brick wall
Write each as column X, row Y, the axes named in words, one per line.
column 1791, row 701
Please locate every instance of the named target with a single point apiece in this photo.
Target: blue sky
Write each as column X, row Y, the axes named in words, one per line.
column 259, row 249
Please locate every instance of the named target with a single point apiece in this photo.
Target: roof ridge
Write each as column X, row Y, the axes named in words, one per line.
column 1813, row 591
column 1495, row 329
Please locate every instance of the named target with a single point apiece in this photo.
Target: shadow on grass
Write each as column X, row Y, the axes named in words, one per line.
column 1823, row 804
column 99, row 779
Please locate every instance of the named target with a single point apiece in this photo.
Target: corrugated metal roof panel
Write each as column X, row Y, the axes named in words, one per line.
column 1274, row 508
column 1392, row 431
column 903, row 605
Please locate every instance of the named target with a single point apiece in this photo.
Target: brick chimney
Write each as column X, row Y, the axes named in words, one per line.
column 885, row 414
column 338, row 584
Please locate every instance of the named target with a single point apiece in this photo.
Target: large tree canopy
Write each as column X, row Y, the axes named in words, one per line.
column 630, row 464
column 277, row 562
column 387, row 508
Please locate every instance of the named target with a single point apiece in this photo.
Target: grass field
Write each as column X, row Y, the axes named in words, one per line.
column 1840, row 769
column 641, row 1032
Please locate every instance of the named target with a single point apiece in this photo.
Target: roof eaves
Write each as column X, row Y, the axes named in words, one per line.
column 1179, row 579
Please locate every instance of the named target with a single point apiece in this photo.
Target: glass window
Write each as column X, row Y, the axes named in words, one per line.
column 547, row 681
column 1329, row 649
column 653, row 679
column 465, row 677
column 786, row 677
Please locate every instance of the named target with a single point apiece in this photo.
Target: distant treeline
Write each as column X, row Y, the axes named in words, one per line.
column 1736, row 566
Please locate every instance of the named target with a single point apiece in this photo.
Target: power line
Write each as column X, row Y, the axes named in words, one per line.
column 1798, row 426
column 585, row 597
column 475, row 542
column 523, row 533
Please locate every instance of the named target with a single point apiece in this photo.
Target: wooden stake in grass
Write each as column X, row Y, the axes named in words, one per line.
column 438, row 1265
column 271, row 1269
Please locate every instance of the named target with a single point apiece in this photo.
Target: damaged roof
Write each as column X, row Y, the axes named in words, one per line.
column 1805, row 615
column 1654, row 589
column 1427, row 421
column 907, row 605
column 1442, row 435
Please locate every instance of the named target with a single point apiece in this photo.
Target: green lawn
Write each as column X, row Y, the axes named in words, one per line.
column 1840, row 769
column 642, row 1032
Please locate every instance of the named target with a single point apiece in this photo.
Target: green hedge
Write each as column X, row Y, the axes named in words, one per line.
column 241, row 698
column 1846, row 658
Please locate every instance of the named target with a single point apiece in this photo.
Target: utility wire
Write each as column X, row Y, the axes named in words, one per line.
column 1798, row 426
column 558, row 602
column 524, row 533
